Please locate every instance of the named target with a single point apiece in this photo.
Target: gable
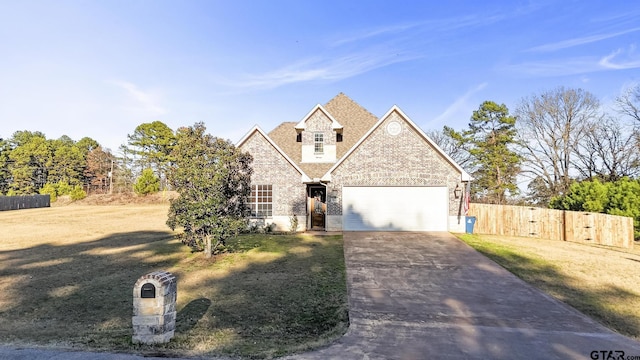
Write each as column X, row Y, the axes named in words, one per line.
column 269, row 159
column 396, row 151
column 355, row 122
column 318, row 120
column 310, row 121
column 284, row 135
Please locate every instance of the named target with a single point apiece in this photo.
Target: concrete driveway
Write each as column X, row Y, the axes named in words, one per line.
column 430, row 296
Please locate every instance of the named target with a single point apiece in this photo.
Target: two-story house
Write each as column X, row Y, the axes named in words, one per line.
column 341, row 168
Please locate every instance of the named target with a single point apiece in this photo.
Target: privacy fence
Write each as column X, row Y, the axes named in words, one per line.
column 24, row 202
column 575, row 226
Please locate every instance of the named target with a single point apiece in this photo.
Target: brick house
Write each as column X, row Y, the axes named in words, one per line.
column 341, row 168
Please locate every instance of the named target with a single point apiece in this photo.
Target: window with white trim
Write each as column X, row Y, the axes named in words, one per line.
column 318, row 143
column 261, row 201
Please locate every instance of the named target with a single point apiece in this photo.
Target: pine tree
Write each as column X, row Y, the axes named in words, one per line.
column 489, row 141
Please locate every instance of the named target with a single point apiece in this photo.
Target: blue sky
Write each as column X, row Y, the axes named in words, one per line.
column 100, row 68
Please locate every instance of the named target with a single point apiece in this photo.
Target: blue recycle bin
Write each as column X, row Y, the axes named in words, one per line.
column 470, row 221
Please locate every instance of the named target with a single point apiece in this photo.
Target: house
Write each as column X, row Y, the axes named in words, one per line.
column 341, row 168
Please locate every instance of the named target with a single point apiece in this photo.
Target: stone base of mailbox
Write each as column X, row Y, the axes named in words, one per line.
column 154, row 318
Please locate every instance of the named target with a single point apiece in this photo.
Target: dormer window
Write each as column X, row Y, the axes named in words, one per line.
column 318, row 143
column 299, row 137
column 338, row 137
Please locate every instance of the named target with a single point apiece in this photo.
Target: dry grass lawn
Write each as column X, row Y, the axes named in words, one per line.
column 67, row 274
column 600, row 281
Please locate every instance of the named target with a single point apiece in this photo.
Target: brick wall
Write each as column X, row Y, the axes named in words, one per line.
column 318, row 122
column 270, row 167
column 405, row 159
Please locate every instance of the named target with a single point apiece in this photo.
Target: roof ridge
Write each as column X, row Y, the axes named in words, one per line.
column 341, row 94
column 257, row 129
column 355, row 119
column 284, row 123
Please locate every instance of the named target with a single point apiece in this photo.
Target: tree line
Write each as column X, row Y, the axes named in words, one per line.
column 553, row 140
column 560, row 148
column 30, row 163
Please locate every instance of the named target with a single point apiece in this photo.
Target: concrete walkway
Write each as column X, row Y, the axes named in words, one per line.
column 430, row 296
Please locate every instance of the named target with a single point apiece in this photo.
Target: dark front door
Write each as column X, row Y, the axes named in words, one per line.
column 317, row 208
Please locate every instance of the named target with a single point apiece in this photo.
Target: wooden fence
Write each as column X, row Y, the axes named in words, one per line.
column 24, row 202
column 575, row 226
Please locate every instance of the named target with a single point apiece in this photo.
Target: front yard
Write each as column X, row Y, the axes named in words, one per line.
column 601, row 282
column 67, row 274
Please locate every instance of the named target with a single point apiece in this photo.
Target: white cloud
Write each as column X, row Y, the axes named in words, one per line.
column 631, row 59
column 379, row 31
column 331, row 69
column 345, row 57
column 618, row 60
column 143, row 101
column 559, row 67
column 423, row 27
column 469, row 21
column 579, row 41
column 626, row 17
column 460, row 105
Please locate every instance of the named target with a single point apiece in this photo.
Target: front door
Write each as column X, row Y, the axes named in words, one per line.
column 317, row 206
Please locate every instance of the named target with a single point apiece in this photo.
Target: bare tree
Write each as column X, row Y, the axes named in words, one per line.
column 550, row 127
column 538, row 192
column 608, row 152
column 455, row 148
column 629, row 103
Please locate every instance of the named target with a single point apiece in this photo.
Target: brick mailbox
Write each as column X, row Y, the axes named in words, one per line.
column 154, row 308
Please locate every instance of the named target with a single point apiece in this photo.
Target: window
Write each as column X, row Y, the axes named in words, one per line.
column 299, row 137
column 338, row 137
column 261, row 201
column 318, row 147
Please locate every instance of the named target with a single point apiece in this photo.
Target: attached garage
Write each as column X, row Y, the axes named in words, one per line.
column 389, row 208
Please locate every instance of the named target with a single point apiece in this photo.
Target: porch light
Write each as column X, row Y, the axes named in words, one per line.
column 457, row 191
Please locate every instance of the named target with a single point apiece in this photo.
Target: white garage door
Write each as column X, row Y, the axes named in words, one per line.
column 395, row 208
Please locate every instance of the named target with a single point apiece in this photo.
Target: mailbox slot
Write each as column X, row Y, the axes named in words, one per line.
column 148, row 290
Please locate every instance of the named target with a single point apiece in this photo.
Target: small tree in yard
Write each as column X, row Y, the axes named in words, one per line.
column 147, row 183
column 213, row 179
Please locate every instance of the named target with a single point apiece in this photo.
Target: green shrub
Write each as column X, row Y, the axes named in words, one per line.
column 621, row 197
column 63, row 188
column 77, row 193
column 50, row 189
column 147, row 183
column 268, row 228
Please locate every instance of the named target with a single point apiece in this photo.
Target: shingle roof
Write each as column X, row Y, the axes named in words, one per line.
column 356, row 121
column 285, row 136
